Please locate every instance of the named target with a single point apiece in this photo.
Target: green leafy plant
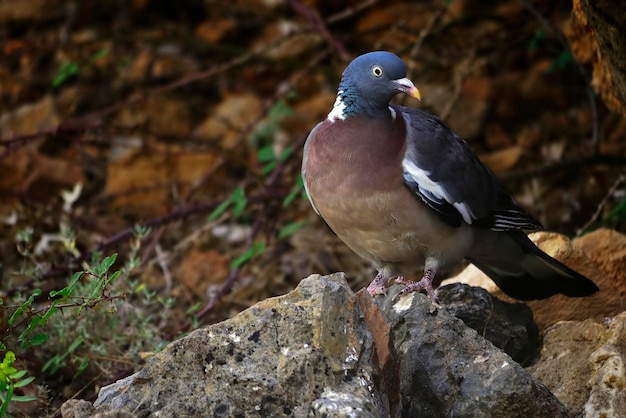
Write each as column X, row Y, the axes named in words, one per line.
column 237, row 201
column 265, row 131
column 31, row 319
column 64, row 73
column 266, row 155
column 257, row 248
column 69, row 328
column 10, row 379
column 296, row 190
column 70, row 69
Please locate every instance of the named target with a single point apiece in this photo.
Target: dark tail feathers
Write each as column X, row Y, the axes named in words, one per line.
column 525, row 272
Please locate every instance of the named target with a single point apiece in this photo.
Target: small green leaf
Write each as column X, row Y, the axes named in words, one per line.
column 75, row 344
column 66, row 70
column 266, row 154
column 221, row 208
column 141, row 231
column 24, row 382
column 115, row 275
column 51, row 311
column 257, row 248
column 38, row 339
column 24, row 398
column 75, row 278
column 20, row 310
column 101, row 53
column 107, row 263
column 280, row 110
column 290, row 228
column 240, row 201
column 53, row 364
column 285, row 154
column 295, row 191
column 84, row 363
column 18, row 375
column 268, row 168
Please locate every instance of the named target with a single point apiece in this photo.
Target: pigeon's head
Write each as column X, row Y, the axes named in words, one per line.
column 371, row 80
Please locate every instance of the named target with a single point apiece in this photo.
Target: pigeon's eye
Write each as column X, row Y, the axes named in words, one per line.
column 377, row 71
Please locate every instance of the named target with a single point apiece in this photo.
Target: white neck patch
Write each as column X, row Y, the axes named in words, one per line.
column 338, row 109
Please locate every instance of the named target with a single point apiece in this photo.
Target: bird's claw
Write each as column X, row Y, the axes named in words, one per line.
column 377, row 287
column 424, row 284
column 376, row 290
column 403, row 280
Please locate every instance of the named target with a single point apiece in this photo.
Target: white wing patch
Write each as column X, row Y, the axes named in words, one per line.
column 338, row 109
column 431, row 188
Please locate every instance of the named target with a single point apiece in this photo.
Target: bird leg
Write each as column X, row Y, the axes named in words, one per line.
column 426, row 283
column 377, row 287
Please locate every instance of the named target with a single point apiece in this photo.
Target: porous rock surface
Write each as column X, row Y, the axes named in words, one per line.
column 322, row 350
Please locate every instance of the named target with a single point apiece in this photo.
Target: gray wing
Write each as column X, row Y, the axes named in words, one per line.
column 448, row 176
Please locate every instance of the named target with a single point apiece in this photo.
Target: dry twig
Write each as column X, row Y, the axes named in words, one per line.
column 620, row 180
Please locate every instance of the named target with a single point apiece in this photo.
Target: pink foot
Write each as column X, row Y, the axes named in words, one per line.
column 426, row 283
column 377, row 287
column 403, row 280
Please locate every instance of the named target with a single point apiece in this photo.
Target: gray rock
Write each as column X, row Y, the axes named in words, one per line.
column 584, row 364
column 322, row 351
column 75, row 408
column 305, row 353
column 509, row 326
column 447, row 370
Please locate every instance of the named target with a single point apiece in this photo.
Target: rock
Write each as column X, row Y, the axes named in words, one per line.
column 285, row 39
column 165, row 116
column 447, row 369
column 503, row 160
column 583, row 365
column 596, row 36
column 607, row 249
column 29, row 10
column 140, row 175
column 411, row 14
column 212, row 31
column 226, row 122
column 75, row 408
column 30, row 118
column 546, row 312
column 198, row 269
column 27, row 171
column 307, row 352
column 323, row 351
column 510, row 327
column 138, row 68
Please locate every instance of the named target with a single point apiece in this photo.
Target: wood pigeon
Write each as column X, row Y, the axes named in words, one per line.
column 403, row 191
